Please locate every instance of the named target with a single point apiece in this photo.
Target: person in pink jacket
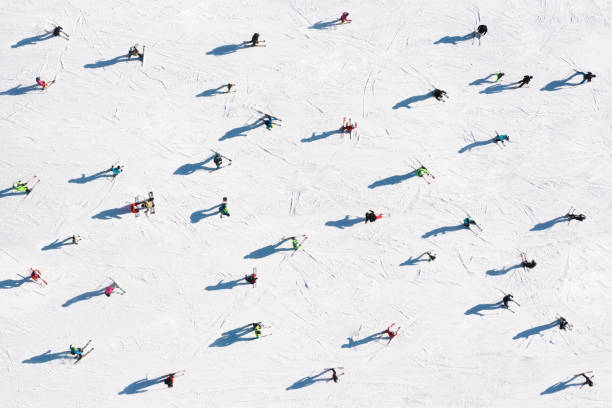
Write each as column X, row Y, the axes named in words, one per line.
column 344, row 18
column 44, row 84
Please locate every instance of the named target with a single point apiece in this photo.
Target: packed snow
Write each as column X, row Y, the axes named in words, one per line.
column 186, row 304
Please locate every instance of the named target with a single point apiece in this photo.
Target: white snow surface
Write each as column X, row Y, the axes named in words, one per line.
column 350, row 280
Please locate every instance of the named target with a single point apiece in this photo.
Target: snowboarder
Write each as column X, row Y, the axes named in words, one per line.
column 169, row 381
column 499, row 75
column 344, row 18
column 223, row 208
column 229, row 87
column 35, row 275
column 468, row 221
column 348, row 127
column 335, row 375
column 218, row 160
column 571, row 216
column 524, row 81
column 116, row 170
column 255, row 40
column 431, row 256
column 501, row 138
column 58, row 31
column 22, row 187
column 588, row 380
column 252, row 278
column 44, row 84
column 75, row 239
column 564, row 324
column 587, row 77
column 527, row 264
column 257, row 329
column 133, row 52
column 439, row 94
column 371, row 216
column 507, row 299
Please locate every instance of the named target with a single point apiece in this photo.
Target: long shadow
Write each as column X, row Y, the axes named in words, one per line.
column 211, row 92
column 33, row 40
column 502, row 271
column 417, row 98
column 393, row 179
column 481, row 81
column 484, row 307
column 560, row 84
column 306, row 381
column 109, row 62
column 225, row 49
column 476, row 144
column 324, row 25
column 560, row 386
column 228, row 285
column 414, row 261
column 314, row 137
column 138, row 387
column 345, row 222
column 20, row 90
column 548, row 224
column 83, row 296
column 189, row 168
column 233, row 336
column 9, row 192
column 86, row 179
column 536, row 330
column 267, row 250
column 48, row 356
column 354, row 343
column 498, row 88
column 12, row 283
column 443, row 230
column 115, row 213
column 197, row 216
column 57, row 244
column 454, row 39
column 241, row 131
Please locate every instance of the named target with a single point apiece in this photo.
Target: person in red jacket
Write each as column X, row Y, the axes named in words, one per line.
column 44, row 84
column 344, row 18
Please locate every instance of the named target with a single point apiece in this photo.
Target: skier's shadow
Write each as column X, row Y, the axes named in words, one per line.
column 498, row 88
column 33, row 40
column 20, row 90
column 189, row 168
column 560, row 386
column 536, row 330
column 393, row 179
column 454, row 39
column 109, row 62
column 47, row 356
column 502, row 271
column 345, row 222
column 112, row 213
column 9, row 192
column 212, row 91
column 138, row 387
column 314, row 137
column 226, row 49
column 268, row 250
column 83, row 296
column 228, row 285
column 556, row 85
column 241, row 131
column 306, row 381
column 233, row 336
column 477, row 143
column 324, row 25
column 443, row 230
column 481, row 81
column 417, row 98
column 414, row 261
column 12, row 283
column 548, row 224
column 197, row 216
column 86, row 179
column 57, row 244
column 476, row 310
column 354, row 343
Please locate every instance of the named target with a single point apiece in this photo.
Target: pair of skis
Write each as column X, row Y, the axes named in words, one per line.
column 116, row 285
column 246, row 43
column 334, row 368
column 82, row 356
column 220, row 167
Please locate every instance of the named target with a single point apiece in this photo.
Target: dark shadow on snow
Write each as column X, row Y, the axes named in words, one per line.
column 481, row 81
column 33, row 40
column 323, row 25
column 12, row 283
column 560, row 84
column 20, row 90
column 414, row 261
column 548, row 224
column 57, row 244
column 314, row 137
column 306, row 381
column 112, row 213
column 226, row 49
column 417, row 98
column 354, row 343
column 9, row 192
column 109, row 62
column 484, row 307
column 138, row 387
column 212, row 91
column 267, row 250
column 83, row 296
column 393, row 179
column 196, row 216
column 498, row 88
column 477, row 143
column 228, row 285
column 233, row 336
column 443, row 230
column 345, row 222
column 504, row 270
column 454, row 39
column 536, row 330
column 86, row 179
column 241, row 131
column 560, row 386
column 48, row 356
column 189, row 168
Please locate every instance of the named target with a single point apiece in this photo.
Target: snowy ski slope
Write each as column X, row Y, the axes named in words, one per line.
column 185, row 308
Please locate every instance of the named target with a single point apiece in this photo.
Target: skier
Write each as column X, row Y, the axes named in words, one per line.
column 572, row 216
column 344, row 18
column 76, row 351
column 252, row 278
column 255, row 40
column 295, row 243
column 524, row 81
column 116, row 170
column 268, row 121
column 501, row 138
column 422, row 171
column 75, row 239
column 587, row 77
column 431, row 255
column 439, row 94
column 527, row 264
column 390, row 332
column 35, row 275
column 58, row 31
column 589, row 380
column 169, row 381
column 22, row 187
column 148, row 205
column 371, row 216
column 223, row 208
column 482, row 30
column 218, row 160
column 468, row 221
column 229, row 87
column 348, row 127
column 507, row 299
column 133, row 52
column 44, row 84
column 257, row 329
column 499, row 75
column 334, row 374
column 564, row 324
